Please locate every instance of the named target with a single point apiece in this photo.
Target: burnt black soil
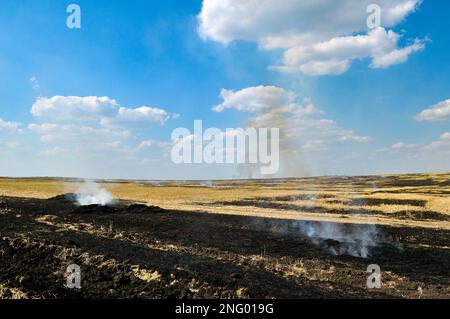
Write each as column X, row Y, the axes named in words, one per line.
column 136, row 251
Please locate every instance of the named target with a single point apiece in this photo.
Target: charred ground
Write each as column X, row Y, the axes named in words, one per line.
column 137, row 251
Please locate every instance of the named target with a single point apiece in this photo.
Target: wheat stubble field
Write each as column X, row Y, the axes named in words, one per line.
column 287, row 238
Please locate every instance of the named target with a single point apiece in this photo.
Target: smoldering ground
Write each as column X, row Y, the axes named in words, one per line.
column 88, row 193
column 334, row 238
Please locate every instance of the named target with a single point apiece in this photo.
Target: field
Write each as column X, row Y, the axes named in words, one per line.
column 287, row 238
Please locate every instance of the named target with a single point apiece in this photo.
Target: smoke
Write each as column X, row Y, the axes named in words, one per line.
column 334, row 238
column 340, row 239
column 308, row 140
column 297, row 125
column 91, row 193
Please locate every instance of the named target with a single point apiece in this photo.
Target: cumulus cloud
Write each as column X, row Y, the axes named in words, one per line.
column 91, row 125
column 435, row 113
column 335, row 56
column 397, row 56
column 292, row 22
column 318, row 36
column 74, row 108
column 101, row 110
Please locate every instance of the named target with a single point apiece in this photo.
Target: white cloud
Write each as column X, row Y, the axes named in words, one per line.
column 292, row 22
column 435, row 113
column 397, row 56
column 319, row 36
column 94, row 109
column 402, row 145
column 9, row 126
column 143, row 114
column 442, row 144
column 351, row 137
column 335, row 56
column 91, row 126
column 333, row 67
column 74, row 108
column 254, row 99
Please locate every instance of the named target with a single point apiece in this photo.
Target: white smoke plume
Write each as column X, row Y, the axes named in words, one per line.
column 354, row 240
column 91, row 193
column 334, row 238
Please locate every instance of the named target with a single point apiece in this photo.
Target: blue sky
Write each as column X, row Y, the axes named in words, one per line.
column 142, row 53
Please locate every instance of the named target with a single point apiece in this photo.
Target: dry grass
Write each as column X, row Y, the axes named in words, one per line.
column 413, row 200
